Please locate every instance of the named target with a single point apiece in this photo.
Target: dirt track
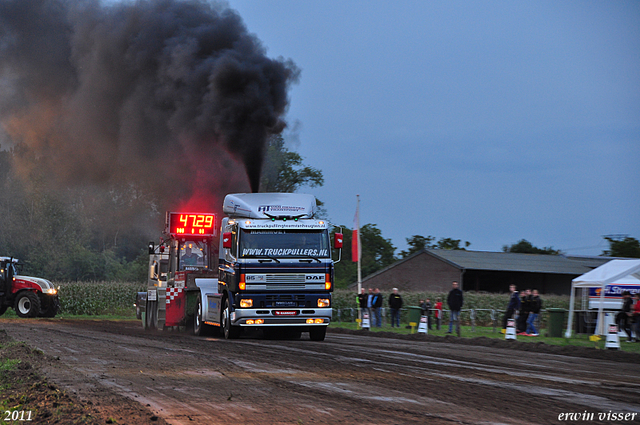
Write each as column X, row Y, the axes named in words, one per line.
column 347, row 378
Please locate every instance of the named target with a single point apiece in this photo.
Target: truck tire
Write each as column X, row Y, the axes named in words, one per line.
column 293, row 333
column 318, row 333
column 199, row 327
column 230, row 331
column 151, row 316
column 143, row 316
column 27, row 304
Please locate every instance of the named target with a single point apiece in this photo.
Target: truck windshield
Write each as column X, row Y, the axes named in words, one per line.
column 193, row 255
column 284, row 243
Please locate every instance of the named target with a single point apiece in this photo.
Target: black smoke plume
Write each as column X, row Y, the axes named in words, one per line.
column 177, row 94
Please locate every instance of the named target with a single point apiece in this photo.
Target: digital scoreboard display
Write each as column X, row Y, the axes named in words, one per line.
column 192, row 224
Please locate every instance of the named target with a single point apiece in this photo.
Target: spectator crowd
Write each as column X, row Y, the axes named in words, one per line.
column 522, row 309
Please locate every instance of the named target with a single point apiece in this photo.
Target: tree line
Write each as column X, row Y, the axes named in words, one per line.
column 72, row 233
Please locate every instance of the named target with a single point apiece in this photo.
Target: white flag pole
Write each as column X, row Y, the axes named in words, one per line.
column 359, row 245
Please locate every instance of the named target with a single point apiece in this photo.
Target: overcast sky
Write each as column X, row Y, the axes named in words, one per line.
column 476, row 120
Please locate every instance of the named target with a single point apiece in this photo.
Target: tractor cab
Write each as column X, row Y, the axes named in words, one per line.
column 191, row 249
column 185, row 259
column 8, row 272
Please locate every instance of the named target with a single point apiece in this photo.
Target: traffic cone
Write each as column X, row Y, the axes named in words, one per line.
column 613, row 341
column 422, row 328
column 511, row 330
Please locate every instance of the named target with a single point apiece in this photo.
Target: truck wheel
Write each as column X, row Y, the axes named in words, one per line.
column 151, row 316
column 230, row 331
column 27, row 305
column 317, row 334
column 293, row 334
column 200, row 328
column 143, row 316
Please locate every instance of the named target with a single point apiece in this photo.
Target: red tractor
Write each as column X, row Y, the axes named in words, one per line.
column 29, row 296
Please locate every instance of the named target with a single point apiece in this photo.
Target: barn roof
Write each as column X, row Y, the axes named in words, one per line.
column 509, row 261
column 505, row 261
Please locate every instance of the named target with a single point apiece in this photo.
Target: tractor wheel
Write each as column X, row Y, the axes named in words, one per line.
column 200, row 328
column 48, row 307
column 3, row 308
column 230, row 331
column 27, row 304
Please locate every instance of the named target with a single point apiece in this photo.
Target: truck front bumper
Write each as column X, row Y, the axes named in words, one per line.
column 281, row 317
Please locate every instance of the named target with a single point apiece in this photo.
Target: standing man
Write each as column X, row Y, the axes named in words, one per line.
column 525, row 309
column 376, row 303
column 624, row 317
column 512, row 307
column 535, row 304
column 362, row 303
column 395, row 304
column 455, row 302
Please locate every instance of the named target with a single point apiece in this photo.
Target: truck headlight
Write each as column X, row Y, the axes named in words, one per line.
column 323, row 302
column 246, row 303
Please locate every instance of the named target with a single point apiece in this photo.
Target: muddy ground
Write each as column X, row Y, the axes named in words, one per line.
column 116, row 370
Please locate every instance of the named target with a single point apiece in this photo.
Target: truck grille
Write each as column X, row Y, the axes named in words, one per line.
column 287, row 278
column 285, row 282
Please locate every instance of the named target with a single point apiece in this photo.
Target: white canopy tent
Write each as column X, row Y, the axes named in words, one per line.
column 609, row 273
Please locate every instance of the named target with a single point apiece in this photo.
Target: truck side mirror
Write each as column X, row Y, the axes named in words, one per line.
column 337, row 241
column 226, row 240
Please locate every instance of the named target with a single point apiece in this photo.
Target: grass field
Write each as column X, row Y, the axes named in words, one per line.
column 580, row 340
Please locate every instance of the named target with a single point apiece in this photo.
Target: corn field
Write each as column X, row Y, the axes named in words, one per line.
column 98, row 298
column 117, row 298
